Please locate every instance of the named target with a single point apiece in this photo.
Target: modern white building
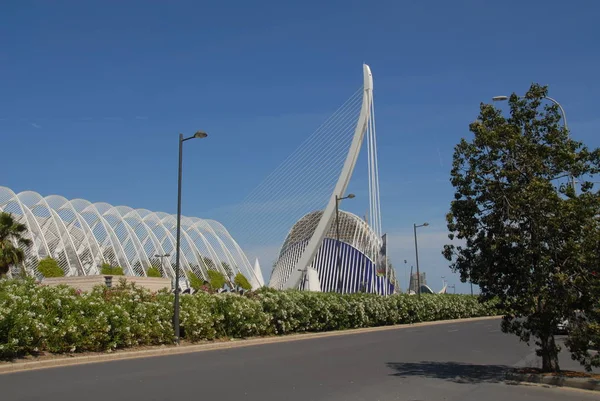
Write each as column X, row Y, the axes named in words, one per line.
column 82, row 236
column 357, row 263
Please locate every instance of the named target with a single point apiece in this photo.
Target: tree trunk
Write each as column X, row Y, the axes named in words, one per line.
column 549, row 354
column 3, row 269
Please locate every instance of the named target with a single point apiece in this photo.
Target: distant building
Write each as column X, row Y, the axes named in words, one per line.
column 414, row 282
column 82, row 236
column 360, row 250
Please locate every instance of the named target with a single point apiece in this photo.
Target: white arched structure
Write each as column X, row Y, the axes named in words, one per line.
column 359, row 252
column 81, row 236
column 309, row 251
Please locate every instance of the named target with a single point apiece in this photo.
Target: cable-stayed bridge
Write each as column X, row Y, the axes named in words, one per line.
column 295, row 207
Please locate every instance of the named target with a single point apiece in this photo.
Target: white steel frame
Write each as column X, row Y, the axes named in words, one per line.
column 353, row 231
column 82, row 235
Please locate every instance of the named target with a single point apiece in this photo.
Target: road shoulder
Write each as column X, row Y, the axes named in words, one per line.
column 559, row 380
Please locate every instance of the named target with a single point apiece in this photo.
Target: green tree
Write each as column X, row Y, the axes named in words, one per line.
column 209, row 264
column 241, row 281
column 11, row 232
column 111, row 270
column 526, row 238
column 227, row 269
column 216, row 279
column 49, row 268
column 195, row 282
column 153, row 272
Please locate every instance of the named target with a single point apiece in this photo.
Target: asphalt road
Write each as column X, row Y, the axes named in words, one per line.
column 456, row 361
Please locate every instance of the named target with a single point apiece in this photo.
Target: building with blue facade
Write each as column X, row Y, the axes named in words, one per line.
column 362, row 265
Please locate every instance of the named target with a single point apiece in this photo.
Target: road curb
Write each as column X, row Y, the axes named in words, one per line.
column 560, row 381
column 13, row 367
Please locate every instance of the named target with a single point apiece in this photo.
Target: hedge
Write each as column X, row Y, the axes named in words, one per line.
column 35, row 317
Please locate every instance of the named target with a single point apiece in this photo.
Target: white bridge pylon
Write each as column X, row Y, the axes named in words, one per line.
column 364, row 122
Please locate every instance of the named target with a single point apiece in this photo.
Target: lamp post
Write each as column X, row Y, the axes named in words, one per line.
column 564, row 117
column 198, row 134
column 337, row 233
column 166, row 255
column 415, row 226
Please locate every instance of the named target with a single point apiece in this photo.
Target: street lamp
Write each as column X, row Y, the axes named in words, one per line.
column 406, row 275
column 166, row 255
column 337, row 244
column 564, row 117
column 198, row 134
column 415, row 226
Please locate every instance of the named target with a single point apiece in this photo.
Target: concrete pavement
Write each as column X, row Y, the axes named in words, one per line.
column 455, row 361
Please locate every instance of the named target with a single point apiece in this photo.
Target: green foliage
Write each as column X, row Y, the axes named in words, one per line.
column 36, row 318
column 241, row 281
column 216, row 279
column 526, row 239
column 208, row 263
column 195, row 282
column 227, row 268
column 50, row 268
column 111, row 270
column 11, row 231
column 153, row 272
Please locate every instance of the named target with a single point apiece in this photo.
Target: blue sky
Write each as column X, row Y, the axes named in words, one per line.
column 94, row 94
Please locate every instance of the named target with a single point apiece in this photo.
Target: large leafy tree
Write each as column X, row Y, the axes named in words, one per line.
column 11, row 232
column 526, row 237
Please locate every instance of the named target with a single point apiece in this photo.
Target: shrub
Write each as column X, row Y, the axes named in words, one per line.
column 198, row 317
column 240, row 316
column 241, row 281
column 35, row 317
column 49, row 268
column 216, row 279
column 153, row 272
column 195, row 282
column 111, row 270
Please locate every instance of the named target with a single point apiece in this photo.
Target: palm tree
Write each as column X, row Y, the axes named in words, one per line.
column 11, row 231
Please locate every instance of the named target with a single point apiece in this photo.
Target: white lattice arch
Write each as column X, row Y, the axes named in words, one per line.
column 110, row 246
column 77, row 226
column 61, row 246
column 82, row 235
